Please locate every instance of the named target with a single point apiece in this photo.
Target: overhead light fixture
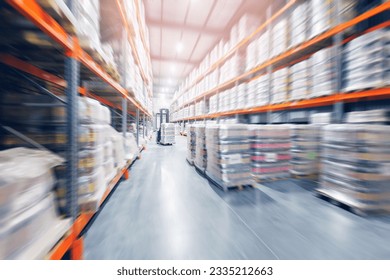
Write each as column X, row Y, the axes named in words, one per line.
column 179, row 47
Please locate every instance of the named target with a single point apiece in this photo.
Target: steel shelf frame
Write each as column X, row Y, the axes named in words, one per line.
column 72, row 241
column 334, row 33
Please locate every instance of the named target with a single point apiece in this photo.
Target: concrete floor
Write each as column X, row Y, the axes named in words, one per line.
column 168, row 211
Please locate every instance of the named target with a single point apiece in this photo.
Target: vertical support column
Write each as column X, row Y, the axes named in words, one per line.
column 269, row 67
column 72, row 79
column 143, row 123
column 137, row 124
column 124, row 116
column 338, row 107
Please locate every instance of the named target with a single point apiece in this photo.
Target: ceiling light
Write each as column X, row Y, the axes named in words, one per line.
column 179, row 47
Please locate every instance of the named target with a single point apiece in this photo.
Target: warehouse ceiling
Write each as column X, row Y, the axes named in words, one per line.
column 182, row 32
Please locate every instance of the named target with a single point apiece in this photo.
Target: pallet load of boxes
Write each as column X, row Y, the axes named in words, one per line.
column 167, row 134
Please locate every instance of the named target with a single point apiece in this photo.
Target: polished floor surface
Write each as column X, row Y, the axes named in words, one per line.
column 166, row 210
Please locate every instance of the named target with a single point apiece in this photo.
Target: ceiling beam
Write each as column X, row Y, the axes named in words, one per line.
column 185, row 27
column 173, row 60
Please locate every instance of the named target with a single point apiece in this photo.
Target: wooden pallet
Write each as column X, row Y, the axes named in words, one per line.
column 306, row 177
column 226, row 188
column 270, row 179
column 350, row 208
column 165, row 144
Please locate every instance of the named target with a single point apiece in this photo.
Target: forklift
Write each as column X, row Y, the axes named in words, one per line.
column 162, row 117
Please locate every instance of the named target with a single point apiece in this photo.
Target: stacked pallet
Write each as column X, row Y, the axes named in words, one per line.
column 191, row 144
column 228, row 155
column 305, row 149
column 367, row 61
column 167, row 133
column 270, row 151
column 200, row 150
column 355, row 166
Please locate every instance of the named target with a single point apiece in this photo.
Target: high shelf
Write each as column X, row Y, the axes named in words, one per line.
column 337, row 36
column 58, row 59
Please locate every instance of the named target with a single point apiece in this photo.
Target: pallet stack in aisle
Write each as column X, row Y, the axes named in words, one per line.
column 30, row 225
column 191, row 144
column 305, row 150
column 355, row 166
column 200, row 150
column 270, row 151
column 228, row 155
column 167, row 134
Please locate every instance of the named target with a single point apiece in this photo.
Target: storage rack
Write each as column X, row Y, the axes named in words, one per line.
column 71, row 63
column 333, row 103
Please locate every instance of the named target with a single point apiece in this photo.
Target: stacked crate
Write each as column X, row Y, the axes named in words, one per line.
column 279, row 37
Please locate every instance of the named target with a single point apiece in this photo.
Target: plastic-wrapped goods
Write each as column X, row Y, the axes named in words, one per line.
column 367, row 61
column 299, row 24
column 279, row 37
column 280, row 86
column 200, row 149
column 26, row 204
column 191, row 144
column 299, row 80
column 87, row 14
column 380, row 116
column 321, row 118
column 131, row 149
column 228, row 155
column 168, row 133
column 323, row 14
column 305, row 149
column 261, row 97
column 355, row 166
column 323, row 79
column 270, row 151
column 118, row 145
column 109, row 170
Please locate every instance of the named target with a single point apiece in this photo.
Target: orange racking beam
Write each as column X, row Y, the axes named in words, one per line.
column 62, row 247
column 372, row 94
column 31, row 69
column 39, row 73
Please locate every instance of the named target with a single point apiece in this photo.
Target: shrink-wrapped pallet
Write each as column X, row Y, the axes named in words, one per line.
column 228, row 155
column 191, row 144
column 355, row 166
column 167, row 133
column 200, row 149
column 305, row 149
column 270, row 151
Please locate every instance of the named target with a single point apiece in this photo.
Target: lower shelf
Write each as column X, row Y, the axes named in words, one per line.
column 66, row 242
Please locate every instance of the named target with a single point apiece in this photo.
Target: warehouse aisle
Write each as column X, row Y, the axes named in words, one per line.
column 167, row 211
